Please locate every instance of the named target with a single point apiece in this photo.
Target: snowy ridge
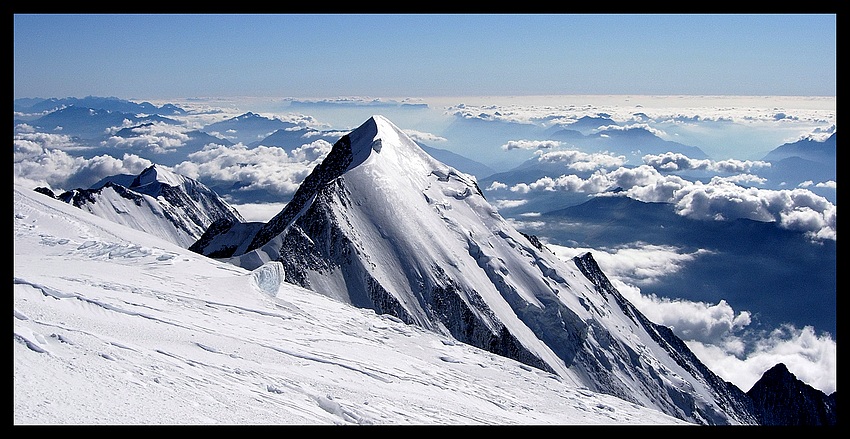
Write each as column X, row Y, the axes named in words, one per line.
column 116, row 326
column 381, row 225
column 158, row 201
column 158, row 174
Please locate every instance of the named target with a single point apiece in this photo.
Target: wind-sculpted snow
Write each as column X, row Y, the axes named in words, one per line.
column 113, row 326
column 381, row 225
column 269, row 277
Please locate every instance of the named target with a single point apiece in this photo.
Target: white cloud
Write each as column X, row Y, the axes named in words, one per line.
column 809, row 356
column 644, row 182
column 158, row 138
column 307, row 135
column 27, row 141
column 581, row 161
column 530, row 144
column 496, row 185
column 720, row 199
column 674, row 161
column 636, row 263
column 824, row 184
column 420, row 136
column 263, row 167
column 795, row 209
column 507, row 204
column 42, row 159
column 744, row 178
column 633, row 126
column 60, row 171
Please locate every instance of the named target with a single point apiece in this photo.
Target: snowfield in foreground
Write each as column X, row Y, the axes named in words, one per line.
column 115, row 326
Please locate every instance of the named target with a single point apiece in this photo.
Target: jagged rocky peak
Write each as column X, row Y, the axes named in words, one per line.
column 382, row 168
column 782, row 399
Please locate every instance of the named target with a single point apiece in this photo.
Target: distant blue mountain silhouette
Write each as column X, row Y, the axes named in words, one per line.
column 247, row 128
column 90, row 123
column 807, row 149
column 293, row 138
column 633, row 143
column 585, row 124
column 459, row 162
column 38, row 105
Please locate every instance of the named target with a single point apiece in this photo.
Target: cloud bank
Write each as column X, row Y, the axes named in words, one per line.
column 158, row 138
column 673, row 161
column 580, row 161
column 42, row 160
column 716, row 333
column 265, row 168
column 719, row 199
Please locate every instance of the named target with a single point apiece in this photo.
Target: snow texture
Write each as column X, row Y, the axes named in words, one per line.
column 116, row 326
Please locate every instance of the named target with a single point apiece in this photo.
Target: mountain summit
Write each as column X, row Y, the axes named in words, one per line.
column 380, row 224
column 157, row 201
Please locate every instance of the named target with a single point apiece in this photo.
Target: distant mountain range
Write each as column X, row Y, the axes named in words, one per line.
column 38, row 105
column 247, row 128
column 86, row 123
column 806, row 160
column 632, row 143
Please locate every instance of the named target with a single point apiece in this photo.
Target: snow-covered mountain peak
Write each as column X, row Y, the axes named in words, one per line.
column 383, row 168
column 380, row 224
column 391, row 151
column 157, row 201
column 158, row 174
column 113, row 326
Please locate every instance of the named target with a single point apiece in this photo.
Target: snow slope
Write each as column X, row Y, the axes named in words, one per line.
column 116, row 326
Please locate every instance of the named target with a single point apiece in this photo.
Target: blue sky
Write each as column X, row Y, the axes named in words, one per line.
column 150, row 56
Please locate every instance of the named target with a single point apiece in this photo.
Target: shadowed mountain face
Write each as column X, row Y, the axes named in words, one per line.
column 247, row 128
column 753, row 265
column 808, row 149
column 782, row 399
column 380, row 224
